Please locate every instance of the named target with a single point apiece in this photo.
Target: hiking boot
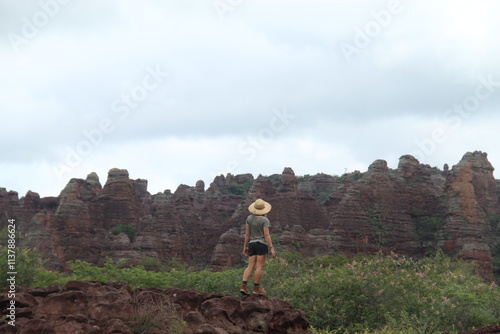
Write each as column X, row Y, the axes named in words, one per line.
column 244, row 290
column 258, row 291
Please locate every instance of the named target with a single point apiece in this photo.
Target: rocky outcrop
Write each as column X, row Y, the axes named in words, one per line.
column 9, row 206
column 410, row 210
column 298, row 221
column 95, row 308
column 471, row 200
column 386, row 209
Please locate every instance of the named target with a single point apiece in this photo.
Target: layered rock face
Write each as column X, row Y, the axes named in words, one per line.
column 388, row 210
column 99, row 308
column 409, row 210
column 472, row 207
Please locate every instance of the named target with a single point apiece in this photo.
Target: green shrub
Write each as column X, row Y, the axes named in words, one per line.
column 304, row 178
column 494, row 220
column 427, row 227
column 323, row 196
column 495, row 253
column 26, row 264
column 240, row 189
column 370, row 293
column 157, row 265
column 43, row 278
column 129, row 230
column 380, row 228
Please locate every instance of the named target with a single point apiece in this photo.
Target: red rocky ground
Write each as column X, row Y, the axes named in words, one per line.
column 98, row 308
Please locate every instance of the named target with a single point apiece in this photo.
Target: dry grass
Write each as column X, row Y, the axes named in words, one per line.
column 155, row 313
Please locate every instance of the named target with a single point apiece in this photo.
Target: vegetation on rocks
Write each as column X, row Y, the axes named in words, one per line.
column 129, row 230
column 381, row 293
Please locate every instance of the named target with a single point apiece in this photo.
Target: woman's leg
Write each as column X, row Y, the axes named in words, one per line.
column 260, row 263
column 248, row 271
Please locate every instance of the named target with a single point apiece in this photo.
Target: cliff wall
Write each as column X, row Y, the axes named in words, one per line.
column 409, row 210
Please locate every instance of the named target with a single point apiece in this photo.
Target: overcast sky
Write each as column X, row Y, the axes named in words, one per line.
column 180, row 91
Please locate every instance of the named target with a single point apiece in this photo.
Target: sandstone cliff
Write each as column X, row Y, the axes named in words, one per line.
column 410, row 210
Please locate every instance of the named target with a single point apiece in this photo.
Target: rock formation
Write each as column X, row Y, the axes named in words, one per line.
column 410, row 210
column 99, row 308
column 471, row 202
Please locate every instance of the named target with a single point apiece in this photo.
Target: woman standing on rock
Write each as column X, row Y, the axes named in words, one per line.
column 257, row 245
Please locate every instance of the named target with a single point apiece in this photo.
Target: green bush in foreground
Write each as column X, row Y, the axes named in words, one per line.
column 380, row 292
column 367, row 294
column 25, row 263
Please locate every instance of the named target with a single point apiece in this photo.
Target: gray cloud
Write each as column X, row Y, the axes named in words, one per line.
column 65, row 86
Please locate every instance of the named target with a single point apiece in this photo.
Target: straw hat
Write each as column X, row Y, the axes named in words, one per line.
column 259, row 207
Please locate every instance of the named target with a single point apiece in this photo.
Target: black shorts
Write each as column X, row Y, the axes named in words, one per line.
column 257, row 248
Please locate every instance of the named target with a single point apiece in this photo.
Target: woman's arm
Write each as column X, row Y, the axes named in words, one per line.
column 247, row 239
column 269, row 242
